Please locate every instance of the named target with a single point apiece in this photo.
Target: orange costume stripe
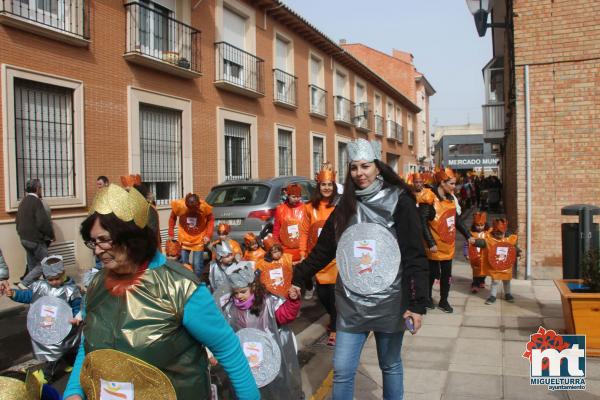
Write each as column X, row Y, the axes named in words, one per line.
column 425, row 196
column 254, row 255
column 289, row 219
column 193, row 226
column 443, row 230
column 313, row 220
column 499, row 257
column 280, row 285
column 475, row 254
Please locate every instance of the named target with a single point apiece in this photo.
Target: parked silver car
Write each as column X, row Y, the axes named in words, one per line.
column 249, row 206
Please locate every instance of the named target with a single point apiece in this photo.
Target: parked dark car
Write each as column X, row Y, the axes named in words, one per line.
column 249, row 206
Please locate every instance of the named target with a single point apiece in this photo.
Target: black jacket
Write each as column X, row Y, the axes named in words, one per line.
column 414, row 264
column 33, row 223
column 427, row 213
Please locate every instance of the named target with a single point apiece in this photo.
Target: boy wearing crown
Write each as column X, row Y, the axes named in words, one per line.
column 288, row 216
column 498, row 256
column 195, row 228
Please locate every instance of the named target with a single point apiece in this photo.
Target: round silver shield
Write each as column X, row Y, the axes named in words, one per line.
column 263, row 354
column 48, row 320
column 368, row 258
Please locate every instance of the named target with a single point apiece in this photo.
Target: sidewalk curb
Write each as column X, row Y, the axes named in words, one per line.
column 12, row 310
column 312, row 333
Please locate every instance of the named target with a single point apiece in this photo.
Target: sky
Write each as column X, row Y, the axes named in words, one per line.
column 440, row 34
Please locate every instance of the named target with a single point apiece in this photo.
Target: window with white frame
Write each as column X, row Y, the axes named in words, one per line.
column 342, row 103
column 409, row 127
column 237, row 150
column 284, row 146
column 342, row 161
column 44, row 137
column 317, row 92
column 155, row 36
column 284, row 80
column 378, row 115
column 400, row 128
column 390, row 120
column 161, row 152
column 318, row 153
column 234, row 33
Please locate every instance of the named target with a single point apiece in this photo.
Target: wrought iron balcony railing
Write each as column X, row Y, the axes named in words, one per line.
column 284, row 88
column 391, row 129
column 238, row 70
column 493, row 118
column 318, row 101
column 361, row 116
column 399, row 133
column 378, row 125
column 155, row 35
column 342, row 110
column 71, row 17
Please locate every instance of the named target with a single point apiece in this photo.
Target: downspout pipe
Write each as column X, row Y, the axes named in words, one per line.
column 528, row 174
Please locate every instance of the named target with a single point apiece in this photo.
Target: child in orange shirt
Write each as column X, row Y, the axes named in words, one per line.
column 275, row 268
column 253, row 251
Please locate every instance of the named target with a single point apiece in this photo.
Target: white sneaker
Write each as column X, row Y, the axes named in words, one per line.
column 309, row 294
column 22, row 286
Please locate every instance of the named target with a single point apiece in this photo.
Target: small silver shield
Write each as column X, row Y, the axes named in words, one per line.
column 48, row 320
column 368, row 258
column 263, row 354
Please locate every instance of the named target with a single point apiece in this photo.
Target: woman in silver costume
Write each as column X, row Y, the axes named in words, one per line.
column 376, row 203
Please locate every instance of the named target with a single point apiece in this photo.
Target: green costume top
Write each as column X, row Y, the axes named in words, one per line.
column 165, row 319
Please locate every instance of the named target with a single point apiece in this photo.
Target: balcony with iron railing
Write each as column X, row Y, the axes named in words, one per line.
column 342, row 110
column 399, row 133
column 284, row 89
column 64, row 20
column 239, row 71
column 361, row 117
column 378, row 125
column 391, row 129
column 158, row 41
column 318, row 101
column 493, row 122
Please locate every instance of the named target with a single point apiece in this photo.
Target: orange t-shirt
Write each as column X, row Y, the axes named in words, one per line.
column 276, row 275
column 310, row 228
column 194, row 225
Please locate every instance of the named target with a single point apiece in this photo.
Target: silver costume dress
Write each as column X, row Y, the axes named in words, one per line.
column 379, row 312
column 67, row 292
column 288, row 383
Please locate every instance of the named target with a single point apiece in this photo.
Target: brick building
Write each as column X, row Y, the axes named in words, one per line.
column 187, row 93
column 558, row 42
column 399, row 69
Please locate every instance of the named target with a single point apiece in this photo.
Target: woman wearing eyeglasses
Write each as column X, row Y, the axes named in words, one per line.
column 147, row 320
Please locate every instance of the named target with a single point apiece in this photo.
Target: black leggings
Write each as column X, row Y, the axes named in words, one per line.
column 326, row 295
column 441, row 270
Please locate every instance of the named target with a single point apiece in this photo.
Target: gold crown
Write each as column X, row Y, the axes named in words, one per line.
column 126, row 205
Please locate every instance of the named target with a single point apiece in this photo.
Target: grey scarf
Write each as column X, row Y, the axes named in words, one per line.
column 373, row 188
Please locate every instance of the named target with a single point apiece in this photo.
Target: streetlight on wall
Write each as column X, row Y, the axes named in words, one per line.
column 480, row 10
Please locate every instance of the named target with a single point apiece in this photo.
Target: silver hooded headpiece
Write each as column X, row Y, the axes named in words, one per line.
column 240, row 274
column 53, row 265
column 361, row 149
column 223, row 249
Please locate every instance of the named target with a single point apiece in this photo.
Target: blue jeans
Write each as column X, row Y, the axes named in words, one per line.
column 348, row 347
column 197, row 261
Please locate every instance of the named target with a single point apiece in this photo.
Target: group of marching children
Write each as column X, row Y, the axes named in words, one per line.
column 490, row 250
